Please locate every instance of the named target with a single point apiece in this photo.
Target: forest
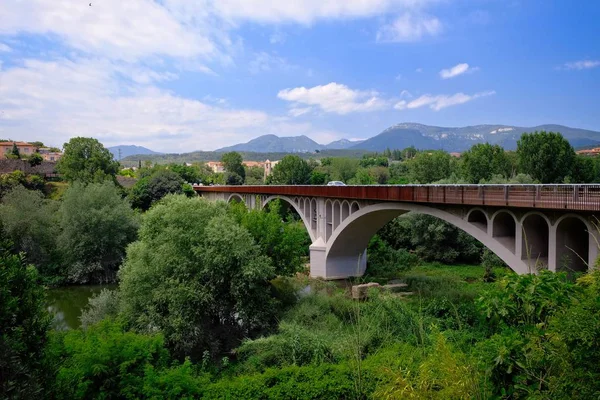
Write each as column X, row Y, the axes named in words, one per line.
column 213, row 300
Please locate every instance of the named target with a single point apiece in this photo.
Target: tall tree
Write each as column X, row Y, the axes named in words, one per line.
column 96, row 225
column 547, row 156
column 291, row 170
column 232, row 162
column 154, row 187
column 15, row 151
column 196, row 276
column 87, row 160
column 430, row 166
column 483, row 161
column 24, row 325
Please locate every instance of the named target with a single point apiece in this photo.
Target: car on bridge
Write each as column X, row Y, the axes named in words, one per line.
column 336, row 183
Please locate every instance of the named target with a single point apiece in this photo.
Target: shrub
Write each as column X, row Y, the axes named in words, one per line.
column 386, row 262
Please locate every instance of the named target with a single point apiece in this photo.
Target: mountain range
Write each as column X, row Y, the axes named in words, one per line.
column 420, row 136
column 129, row 150
column 291, row 144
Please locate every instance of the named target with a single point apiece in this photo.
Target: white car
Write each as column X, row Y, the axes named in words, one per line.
column 336, row 183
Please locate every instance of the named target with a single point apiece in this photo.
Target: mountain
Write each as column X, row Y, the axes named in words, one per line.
column 275, row 144
column 127, row 151
column 343, row 144
column 291, row 144
column 421, row 136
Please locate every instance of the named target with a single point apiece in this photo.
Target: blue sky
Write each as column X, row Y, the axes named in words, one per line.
column 184, row 75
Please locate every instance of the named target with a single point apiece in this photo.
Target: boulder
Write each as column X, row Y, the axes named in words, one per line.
column 360, row 292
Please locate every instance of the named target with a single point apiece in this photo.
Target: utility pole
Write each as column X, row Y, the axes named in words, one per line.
column 119, row 154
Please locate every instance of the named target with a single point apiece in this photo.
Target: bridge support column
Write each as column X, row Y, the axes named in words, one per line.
column 318, row 264
column 552, row 262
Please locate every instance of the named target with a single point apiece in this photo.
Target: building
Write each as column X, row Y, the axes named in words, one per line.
column 49, row 155
column 217, row 166
column 589, row 152
column 25, row 149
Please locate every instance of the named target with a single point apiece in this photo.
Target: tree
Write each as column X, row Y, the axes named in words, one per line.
column 15, row 151
column 430, row 166
column 30, row 222
column 284, row 242
column 152, row 188
column 584, row 170
column 86, row 160
column 343, row 168
column 196, row 276
column 96, row 226
column 547, row 156
column 232, row 162
column 35, row 159
column 255, row 176
column 24, row 325
column 233, row 179
column 483, row 161
column 291, row 170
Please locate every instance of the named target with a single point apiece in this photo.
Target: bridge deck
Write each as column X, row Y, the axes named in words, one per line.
column 564, row 197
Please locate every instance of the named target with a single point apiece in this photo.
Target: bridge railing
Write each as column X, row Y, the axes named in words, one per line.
column 581, row 197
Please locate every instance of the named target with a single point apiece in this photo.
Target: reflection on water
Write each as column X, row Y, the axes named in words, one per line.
column 67, row 303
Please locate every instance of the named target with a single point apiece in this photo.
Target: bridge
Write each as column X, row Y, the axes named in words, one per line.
column 528, row 226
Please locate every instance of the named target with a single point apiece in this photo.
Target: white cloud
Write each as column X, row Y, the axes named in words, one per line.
column 334, row 98
column 405, row 94
column 53, row 101
column 4, row 48
column 298, row 111
column 116, row 29
column 439, row 102
column 307, row 11
column 277, row 38
column 409, row 27
column 583, row 64
column 457, row 70
column 265, row 62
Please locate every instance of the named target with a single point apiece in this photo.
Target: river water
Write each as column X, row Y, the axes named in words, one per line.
column 67, row 303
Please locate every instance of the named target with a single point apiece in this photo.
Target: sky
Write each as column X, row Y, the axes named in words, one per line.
column 185, row 75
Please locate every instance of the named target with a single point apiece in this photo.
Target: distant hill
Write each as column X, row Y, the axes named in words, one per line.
column 291, row 144
column 276, row 144
column 130, row 150
column 460, row 139
column 343, row 144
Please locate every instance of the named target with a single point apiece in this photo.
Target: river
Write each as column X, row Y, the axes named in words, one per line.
column 67, row 303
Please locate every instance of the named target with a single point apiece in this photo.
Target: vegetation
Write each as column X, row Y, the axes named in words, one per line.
column 291, row 170
column 232, row 162
column 86, row 160
column 546, row 156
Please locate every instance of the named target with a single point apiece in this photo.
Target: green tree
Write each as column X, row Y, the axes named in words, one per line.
column 24, row 324
column 343, row 168
column 35, row 159
column 584, row 170
column 286, row 243
column 96, row 226
column 318, row 177
column 86, row 160
column 430, row 166
column 150, row 189
column 30, row 221
column 483, row 161
column 255, row 175
column 291, row 170
column 15, row 151
column 196, row 276
column 547, row 156
column 232, row 162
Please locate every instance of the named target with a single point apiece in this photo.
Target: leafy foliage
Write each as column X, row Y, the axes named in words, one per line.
column 87, row 160
column 24, row 323
column 232, row 162
column 152, row 188
column 96, row 226
column 291, row 170
column 197, row 277
column 483, row 161
column 430, row 166
column 547, row 156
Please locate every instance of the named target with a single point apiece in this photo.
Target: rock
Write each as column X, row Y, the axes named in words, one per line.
column 360, row 292
column 395, row 287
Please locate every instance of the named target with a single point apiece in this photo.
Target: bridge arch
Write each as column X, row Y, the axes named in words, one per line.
column 344, row 254
column 504, row 228
column 535, row 239
column 573, row 243
column 305, row 219
column 234, row 197
column 479, row 218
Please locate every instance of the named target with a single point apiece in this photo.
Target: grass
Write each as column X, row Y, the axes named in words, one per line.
column 55, row 190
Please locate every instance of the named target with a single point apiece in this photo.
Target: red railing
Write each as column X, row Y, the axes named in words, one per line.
column 570, row 197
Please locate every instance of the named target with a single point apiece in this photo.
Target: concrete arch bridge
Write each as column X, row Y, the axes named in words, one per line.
column 527, row 226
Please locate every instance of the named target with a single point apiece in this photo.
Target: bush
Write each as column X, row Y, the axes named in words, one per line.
column 101, row 306
column 24, row 323
column 385, row 262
